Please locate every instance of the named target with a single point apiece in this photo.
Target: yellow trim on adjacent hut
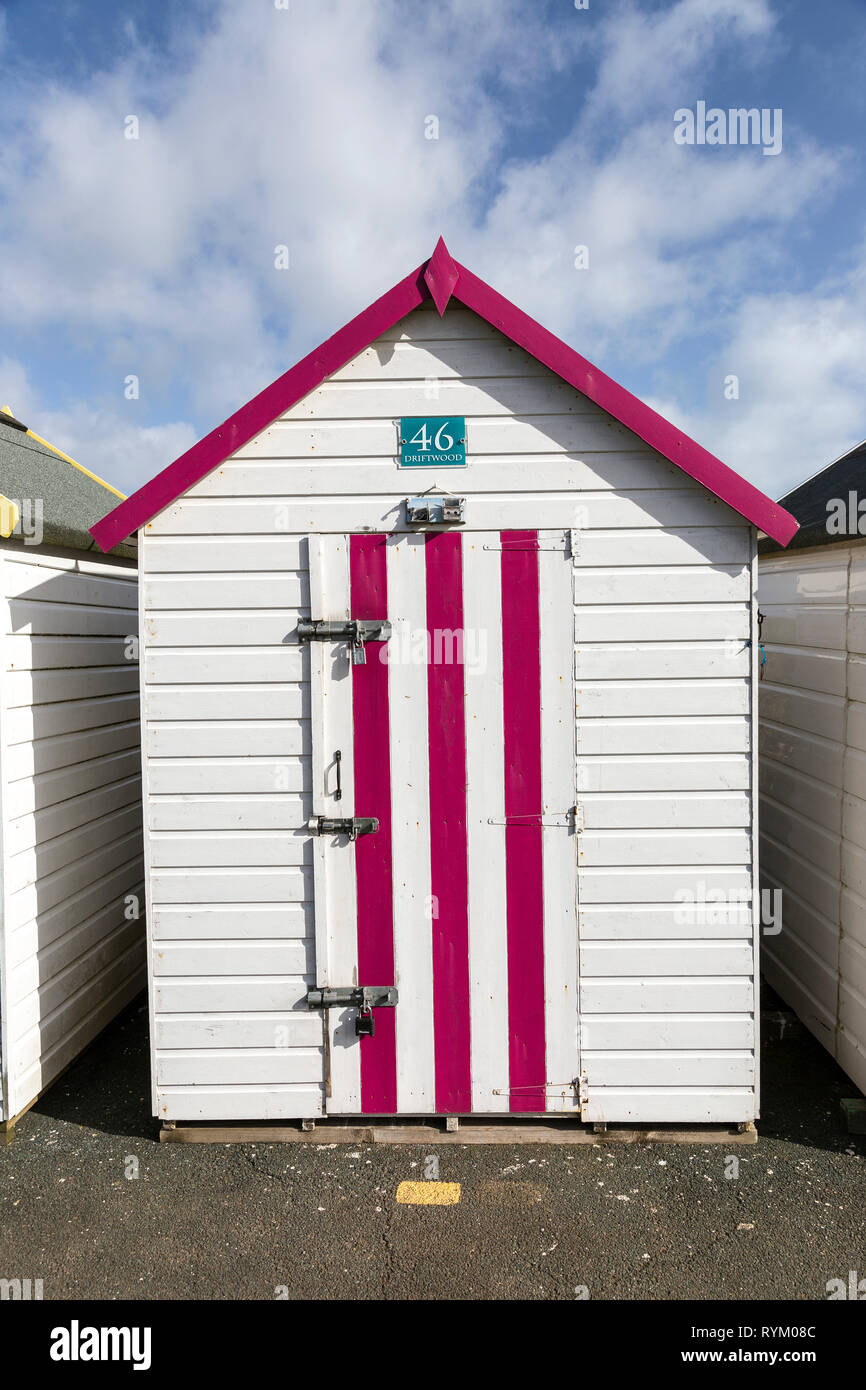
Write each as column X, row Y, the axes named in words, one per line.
column 54, row 449
column 8, row 517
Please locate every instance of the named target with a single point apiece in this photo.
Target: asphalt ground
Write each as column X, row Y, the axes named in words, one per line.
column 318, row 1221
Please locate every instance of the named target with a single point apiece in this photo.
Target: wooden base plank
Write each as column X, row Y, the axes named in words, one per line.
column 7, row 1127
column 468, row 1132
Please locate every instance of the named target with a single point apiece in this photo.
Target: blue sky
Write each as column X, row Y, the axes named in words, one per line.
column 260, row 127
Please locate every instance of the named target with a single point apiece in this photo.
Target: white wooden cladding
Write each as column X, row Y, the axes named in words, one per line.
column 70, row 788
column 682, row 508
column 662, row 687
column 699, row 546
column 348, row 439
column 813, row 784
column 601, row 469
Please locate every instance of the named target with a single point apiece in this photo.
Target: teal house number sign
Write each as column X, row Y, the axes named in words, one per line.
column 432, row 442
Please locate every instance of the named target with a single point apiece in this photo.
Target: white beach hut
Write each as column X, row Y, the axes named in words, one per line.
column 813, row 758
column 449, row 663
column 71, row 932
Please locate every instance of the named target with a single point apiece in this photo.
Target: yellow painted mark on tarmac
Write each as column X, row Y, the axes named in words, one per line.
column 429, row 1194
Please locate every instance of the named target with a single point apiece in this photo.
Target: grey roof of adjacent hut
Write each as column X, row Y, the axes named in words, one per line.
column 72, row 500
column 808, row 502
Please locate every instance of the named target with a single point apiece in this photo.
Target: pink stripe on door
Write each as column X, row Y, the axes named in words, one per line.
column 372, row 762
column 448, row 845
column 521, row 673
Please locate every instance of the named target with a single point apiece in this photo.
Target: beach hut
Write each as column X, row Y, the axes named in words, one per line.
column 813, row 758
column 71, row 930
column 449, row 661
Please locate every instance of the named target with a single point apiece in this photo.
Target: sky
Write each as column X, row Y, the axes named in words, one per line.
column 724, row 285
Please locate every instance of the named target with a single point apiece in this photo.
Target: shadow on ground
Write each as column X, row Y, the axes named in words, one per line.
column 801, row 1085
column 108, row 1088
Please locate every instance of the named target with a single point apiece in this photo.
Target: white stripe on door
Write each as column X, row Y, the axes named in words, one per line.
column 488, row 945
column 410, row 824
column 334, row 862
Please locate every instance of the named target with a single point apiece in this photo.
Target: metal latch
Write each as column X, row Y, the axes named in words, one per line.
column 435, row 511
column 355, row 631
column 364, row 998
column 353, row 826
column 353, row 997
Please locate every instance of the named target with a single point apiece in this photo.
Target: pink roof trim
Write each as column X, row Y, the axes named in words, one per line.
column 442, row 278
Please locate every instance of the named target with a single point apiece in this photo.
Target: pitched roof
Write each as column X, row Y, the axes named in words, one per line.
column 72, row 498
column 808, row 501
column 442, row 278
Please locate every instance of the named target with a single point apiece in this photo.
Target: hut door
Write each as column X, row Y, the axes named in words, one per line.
column 444, row 825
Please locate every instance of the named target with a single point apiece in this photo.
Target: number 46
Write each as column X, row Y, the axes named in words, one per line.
column 442, row 443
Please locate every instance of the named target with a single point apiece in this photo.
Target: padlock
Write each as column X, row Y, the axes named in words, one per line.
column 365, row 1023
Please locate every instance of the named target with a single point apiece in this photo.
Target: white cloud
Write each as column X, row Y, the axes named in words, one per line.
column 800, row 360
column 648, row 53
column 275, row 134
column 668, row 233
column 16, row 390
column 306, row 128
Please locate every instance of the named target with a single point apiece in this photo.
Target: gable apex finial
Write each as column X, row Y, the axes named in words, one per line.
column 441, row 276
